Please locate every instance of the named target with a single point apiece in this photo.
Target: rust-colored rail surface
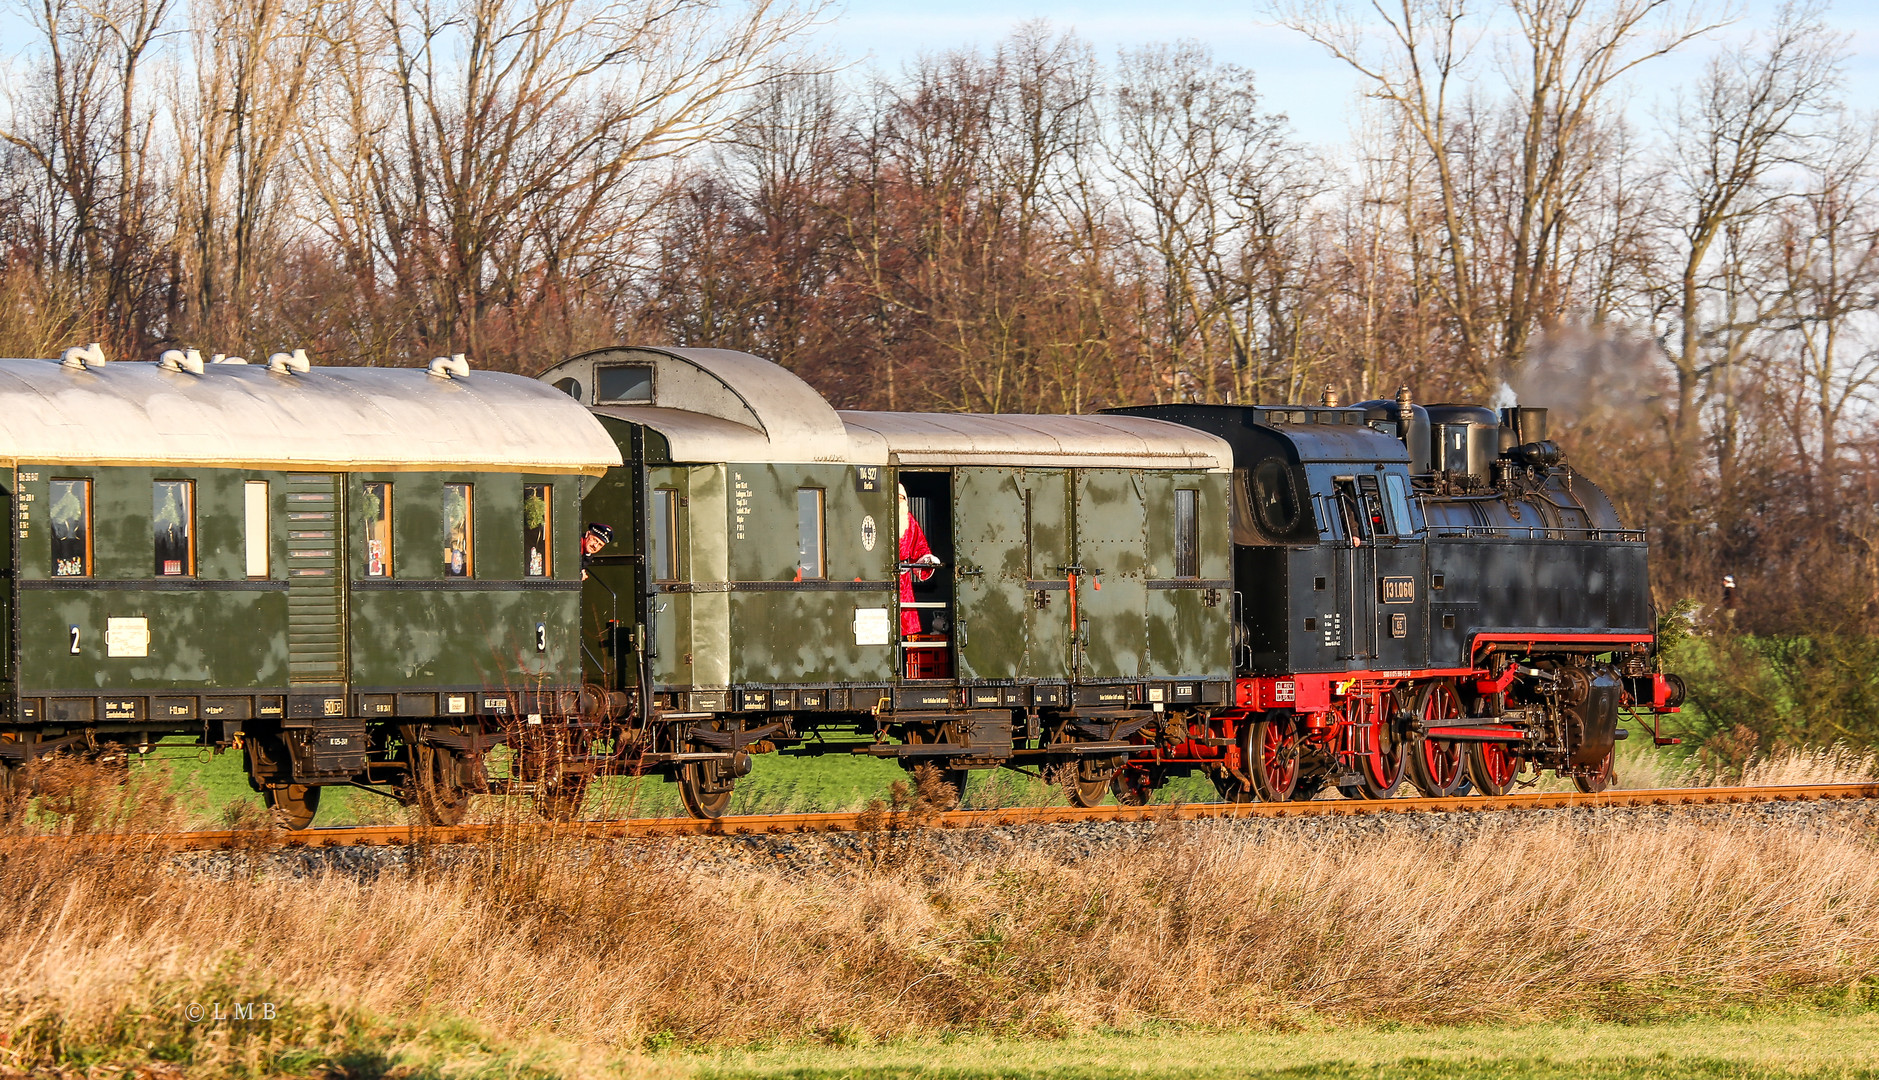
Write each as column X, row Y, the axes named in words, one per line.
column 402, row 835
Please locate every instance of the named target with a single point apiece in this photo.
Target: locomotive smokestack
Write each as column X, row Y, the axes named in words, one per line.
column 1404, row 412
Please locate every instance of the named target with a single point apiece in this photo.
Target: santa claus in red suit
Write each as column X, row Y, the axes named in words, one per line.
column 913, row 549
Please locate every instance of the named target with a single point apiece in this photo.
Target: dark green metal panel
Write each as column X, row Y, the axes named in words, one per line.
column 989, row 519
column 1047, row 653
column 1012, row 547
column 216, row 630
column 1111, row 527
column 316, row 594
column 1189, row 627
column 675, row 649
column 498, row 628
column 785, row 630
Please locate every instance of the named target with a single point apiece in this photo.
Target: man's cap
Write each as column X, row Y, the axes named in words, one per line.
column 602, row 530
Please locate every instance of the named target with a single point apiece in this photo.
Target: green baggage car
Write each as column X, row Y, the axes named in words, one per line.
column 949, row 590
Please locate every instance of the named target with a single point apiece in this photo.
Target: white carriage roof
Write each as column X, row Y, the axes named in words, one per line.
column 699, row 399
column 1103, row 441
column 247, row 416
column 719, row 405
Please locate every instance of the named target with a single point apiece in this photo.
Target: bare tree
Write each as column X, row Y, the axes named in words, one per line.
column 253, row 63
column 1559, row 66
column 1744, row 120
column 510, row 143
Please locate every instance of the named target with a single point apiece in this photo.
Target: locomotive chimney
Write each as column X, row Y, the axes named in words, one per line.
column 1405, row 412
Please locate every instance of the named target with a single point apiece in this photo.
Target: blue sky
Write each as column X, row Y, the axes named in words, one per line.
column 1296, row 77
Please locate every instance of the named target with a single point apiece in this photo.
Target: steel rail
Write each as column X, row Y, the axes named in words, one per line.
column 638, row 828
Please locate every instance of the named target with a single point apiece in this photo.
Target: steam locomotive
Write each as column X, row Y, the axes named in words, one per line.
column 663, row 562
column 1433, row 595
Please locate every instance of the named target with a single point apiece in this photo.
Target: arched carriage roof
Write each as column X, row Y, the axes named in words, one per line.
column 247, row 416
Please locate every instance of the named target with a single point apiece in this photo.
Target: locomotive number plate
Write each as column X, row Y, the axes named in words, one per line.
column 1399, row 590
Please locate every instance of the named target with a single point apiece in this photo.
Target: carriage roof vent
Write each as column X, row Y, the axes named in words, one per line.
column 223, row 358
column 453, row 366
column 294, row 363
column 91, row 356
column 189, row 360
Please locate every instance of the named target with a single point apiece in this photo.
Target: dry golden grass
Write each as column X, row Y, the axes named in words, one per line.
column 612, row 946
column 616, row 946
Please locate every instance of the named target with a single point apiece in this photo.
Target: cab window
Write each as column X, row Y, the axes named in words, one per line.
column 1402, row 509
column 1350, row 509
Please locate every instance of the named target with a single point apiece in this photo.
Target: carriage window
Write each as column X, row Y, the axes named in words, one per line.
column 1186, row 533
column 809, row 533
column 378, row 530
column 173, row 506
column 537, row 555
column 459, row 531
column 71, row 528
column 1397, row 488
column 622, row 384
column 665, row 535
column 255, row 515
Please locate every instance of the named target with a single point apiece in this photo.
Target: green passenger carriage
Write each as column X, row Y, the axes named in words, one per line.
column 356, row 575
column 750, row 598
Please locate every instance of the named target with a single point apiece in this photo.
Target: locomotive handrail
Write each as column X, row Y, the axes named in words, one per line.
column 1539, row 532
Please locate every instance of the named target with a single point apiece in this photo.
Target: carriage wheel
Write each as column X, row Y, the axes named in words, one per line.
column 1492, row 766
column 16, row 788
column 561, row 798
column 945, row 788
column 434, row 784
column 14, row 792
column 1436, row 765
column 1380, row 768
column 292, row 806
column 705, row 788
column 1087, row 782
column 1132, row 786
column 1599, row 778
column 1270, row 751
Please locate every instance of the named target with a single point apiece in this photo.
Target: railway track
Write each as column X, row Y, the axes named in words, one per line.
column 406, row 835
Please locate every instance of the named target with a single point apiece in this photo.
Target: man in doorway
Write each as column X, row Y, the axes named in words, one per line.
column 597, row 536
column 913, row 550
